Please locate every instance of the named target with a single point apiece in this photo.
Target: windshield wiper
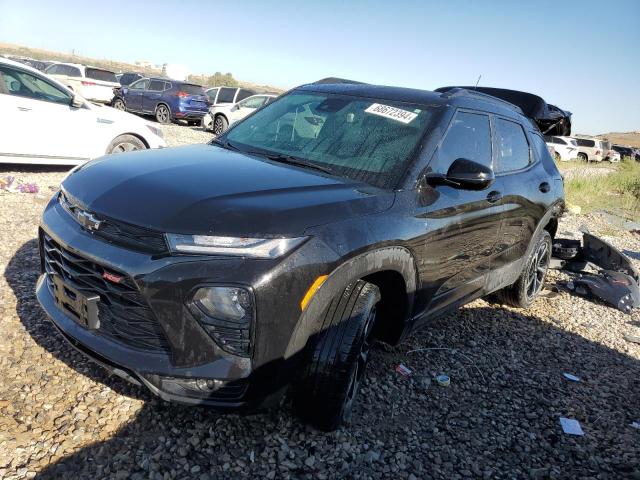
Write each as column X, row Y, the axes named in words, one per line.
column 226, row 144
column 293, row 160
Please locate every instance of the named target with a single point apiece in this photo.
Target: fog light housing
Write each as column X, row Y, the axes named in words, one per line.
column 226, row 313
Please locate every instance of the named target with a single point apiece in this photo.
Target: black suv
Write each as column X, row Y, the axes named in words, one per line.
column 270, row 260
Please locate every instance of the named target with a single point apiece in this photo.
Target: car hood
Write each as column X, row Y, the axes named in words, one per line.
column 204, row 189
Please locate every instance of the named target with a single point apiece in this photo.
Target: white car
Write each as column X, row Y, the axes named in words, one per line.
column 43, row 122
column 93, row 83
column 221, row 116
column 565, row 148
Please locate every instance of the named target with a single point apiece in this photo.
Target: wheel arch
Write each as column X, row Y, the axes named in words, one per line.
column 133, row 134
column 391, row 269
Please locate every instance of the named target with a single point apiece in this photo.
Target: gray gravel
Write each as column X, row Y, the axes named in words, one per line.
column 63, row 417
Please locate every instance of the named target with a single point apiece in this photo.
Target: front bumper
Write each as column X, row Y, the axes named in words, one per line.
column 166, row 282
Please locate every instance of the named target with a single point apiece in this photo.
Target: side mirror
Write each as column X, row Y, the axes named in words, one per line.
column 235, row 108
column 77, row 101
column 464, row 174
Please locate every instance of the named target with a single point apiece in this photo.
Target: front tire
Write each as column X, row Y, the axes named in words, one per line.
column 163, row 115
column 558, row 157
column 583, row 157
column 118, row 104
column 125, row 143
column 338, row 356
column 525, row 290
column 220, row 124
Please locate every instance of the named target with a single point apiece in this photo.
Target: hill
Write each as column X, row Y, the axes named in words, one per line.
column 117, row 66
column 631, row 139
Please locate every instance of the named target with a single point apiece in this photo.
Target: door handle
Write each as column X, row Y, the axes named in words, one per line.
column 494, row 196
column 24, row 109
column 544, row 187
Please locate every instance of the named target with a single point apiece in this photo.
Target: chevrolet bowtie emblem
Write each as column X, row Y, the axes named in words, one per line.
column 88, row 221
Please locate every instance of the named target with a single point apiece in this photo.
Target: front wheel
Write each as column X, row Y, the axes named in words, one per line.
column 583, row 157
column 338, row 356
column 558, row 158
column 220, row 124
column 118, row 104
column 125, row 143
column 525, row 290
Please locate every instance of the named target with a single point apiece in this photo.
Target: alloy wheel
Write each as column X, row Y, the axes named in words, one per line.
column 162, row 114
column 218, row 126
column 118, row 105
column 124, row 147
column 537, row 270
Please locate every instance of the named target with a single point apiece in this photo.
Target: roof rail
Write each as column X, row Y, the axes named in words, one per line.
column 336, row 80
column 459, row 91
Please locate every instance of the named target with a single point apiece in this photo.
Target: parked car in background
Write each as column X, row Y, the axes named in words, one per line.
column 220, row 117
column 228, row 95
column 589, row 149
column 44, row 122
column 627, row 152
column 613, row 156
column 168, row 100
column 93, row 83
column 263, row 261
column 127, row 78
column 565, row 148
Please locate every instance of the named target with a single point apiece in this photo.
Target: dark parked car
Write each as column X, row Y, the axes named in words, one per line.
column 627, row 152
column 167, row 100
column 270, row 260
column 127, row 78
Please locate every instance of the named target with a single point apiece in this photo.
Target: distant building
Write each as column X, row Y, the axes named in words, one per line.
column 143, row 64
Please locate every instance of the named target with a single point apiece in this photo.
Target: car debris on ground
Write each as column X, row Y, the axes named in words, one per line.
column 571, row 426
column 10, row 185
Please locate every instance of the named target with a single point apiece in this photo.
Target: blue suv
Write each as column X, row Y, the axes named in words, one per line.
column 168, row 100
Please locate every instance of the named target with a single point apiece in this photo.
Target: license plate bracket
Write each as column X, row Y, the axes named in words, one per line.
column 83, row 309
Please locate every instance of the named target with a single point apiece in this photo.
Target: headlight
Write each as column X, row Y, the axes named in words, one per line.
column 225, row 303
column 156, row 131
column 242, row 247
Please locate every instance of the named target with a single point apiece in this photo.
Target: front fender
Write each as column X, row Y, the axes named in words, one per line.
column 395, row 258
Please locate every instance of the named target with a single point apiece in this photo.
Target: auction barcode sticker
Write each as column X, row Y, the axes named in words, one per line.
column 393, row 113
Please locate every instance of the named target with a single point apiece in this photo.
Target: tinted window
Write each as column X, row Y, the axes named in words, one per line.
column 244, row 93
column 102, row 75
column 52, row 69
column 167, row 85
column 512, row 146
column 582, row 142
column 363, row 139
column 468, row 137
column 559, row 141
column 156, row 85
column 22, row 84
column 540, row 147
column 68, row 70
column 211, row 93
column 128, row 78
column 226, row 95
column 140, row 84
column 191, row 89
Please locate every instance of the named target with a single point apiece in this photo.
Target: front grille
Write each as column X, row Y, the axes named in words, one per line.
column 123, row 313
column 118, row 232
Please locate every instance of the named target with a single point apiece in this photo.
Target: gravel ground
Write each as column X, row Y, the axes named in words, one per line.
column 63, row 417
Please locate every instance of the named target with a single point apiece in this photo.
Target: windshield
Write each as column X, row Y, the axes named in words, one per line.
column 363, row 139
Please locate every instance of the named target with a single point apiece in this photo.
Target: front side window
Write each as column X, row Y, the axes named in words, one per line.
column 244, row 93
column 22, row 84
column 468, row 137
column 140, row 84
column 252, row 102
column 511, row 145
column 363, row 139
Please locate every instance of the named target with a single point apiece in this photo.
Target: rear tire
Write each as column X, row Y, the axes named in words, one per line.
column 337, row 358
column 125, row 143
column 525, row 290
column 220, row 124
column 163, row 114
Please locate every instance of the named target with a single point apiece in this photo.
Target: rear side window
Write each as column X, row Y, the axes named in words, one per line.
column 511, row 145
column 69, row 71
column 156, row 85
column 102, row 75
column 226, row 95
column 540, row 148
column 582, row 142
column 468, row 137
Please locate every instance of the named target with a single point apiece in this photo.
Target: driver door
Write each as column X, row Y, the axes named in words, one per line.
column 135, row 95
column 38, row 121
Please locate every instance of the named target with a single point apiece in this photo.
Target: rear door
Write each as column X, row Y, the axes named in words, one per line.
column 461, row 225
column 523, row 183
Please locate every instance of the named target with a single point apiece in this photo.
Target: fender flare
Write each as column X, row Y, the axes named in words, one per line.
column 394, row 258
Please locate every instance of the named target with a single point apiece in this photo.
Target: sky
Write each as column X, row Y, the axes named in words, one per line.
column 583, row 56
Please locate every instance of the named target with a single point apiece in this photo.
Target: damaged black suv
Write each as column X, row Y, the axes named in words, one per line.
column 268, row 261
